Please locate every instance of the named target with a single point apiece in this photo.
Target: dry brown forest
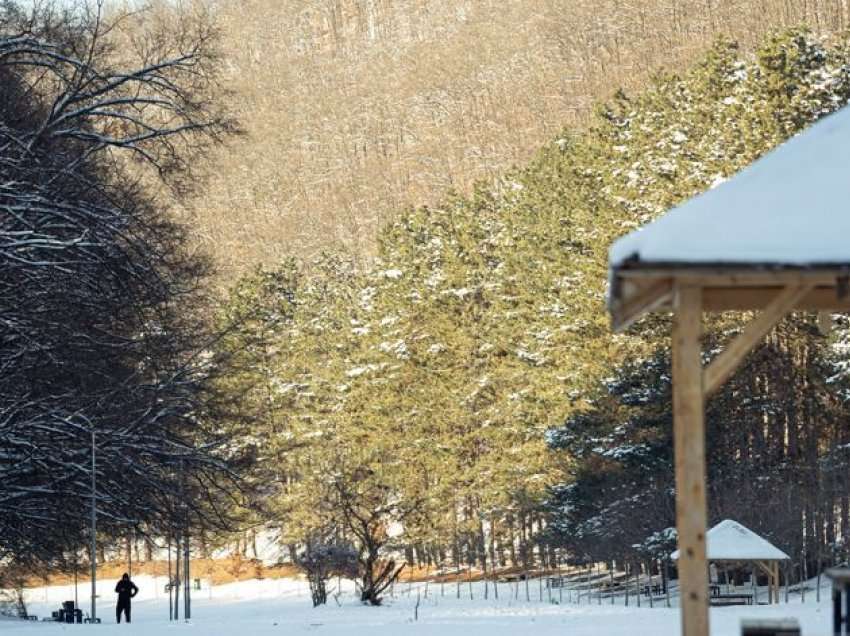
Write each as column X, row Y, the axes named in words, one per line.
column 355, row 109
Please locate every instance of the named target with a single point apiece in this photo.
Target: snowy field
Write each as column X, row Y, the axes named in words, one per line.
column 282, row 607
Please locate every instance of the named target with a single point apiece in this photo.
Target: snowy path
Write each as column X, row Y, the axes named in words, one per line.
column 282, row 607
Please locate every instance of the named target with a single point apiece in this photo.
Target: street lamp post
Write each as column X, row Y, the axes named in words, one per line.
column 170, row 584
column 130, row 542
column 93, row 531
column 187, row 598
column 187, row 585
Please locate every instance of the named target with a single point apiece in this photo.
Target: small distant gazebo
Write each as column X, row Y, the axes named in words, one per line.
column 774, row 238
column 731, row 543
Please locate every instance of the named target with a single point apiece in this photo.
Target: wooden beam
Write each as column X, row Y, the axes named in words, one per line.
column 689, row 443
column 719, row 299
column 755, row 298
column 740, row 277
column 724, row 365
column 642, row 301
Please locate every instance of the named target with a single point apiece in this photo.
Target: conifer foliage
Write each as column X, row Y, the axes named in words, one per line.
column 430, row 381
column 775, row 430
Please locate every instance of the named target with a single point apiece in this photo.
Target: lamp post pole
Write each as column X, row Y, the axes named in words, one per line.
column 93, row 531
column 187, row 599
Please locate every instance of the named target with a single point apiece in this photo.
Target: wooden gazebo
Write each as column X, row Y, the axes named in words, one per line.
column 775, row 238
column 732, row 544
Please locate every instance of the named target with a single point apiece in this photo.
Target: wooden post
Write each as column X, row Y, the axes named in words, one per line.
column 689, row 442
column 771, row 584
column 776, row 582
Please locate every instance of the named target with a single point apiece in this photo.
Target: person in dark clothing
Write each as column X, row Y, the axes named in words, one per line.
column 126, row 590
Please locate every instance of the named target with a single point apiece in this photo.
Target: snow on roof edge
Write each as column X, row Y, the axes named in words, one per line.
column 784, row 209
column 733, row 541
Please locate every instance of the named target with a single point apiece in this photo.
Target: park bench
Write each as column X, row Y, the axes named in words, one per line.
column 512, row 578
column 69, row 613
column 731, row 599
column 22, row 614
column 770, row 627
column 654, row 589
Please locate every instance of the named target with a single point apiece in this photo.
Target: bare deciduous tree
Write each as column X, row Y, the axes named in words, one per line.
column 96, row 343
column 323, row 558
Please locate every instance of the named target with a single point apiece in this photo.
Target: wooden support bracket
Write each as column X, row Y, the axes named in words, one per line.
column 724, row 365
column 771, row 569
column 643, row 301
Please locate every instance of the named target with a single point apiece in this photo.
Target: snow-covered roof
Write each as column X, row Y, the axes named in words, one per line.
column 791, row 208
column 731, row 541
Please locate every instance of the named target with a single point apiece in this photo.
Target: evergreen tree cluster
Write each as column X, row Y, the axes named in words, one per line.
column 776, row 431
column 462, row 398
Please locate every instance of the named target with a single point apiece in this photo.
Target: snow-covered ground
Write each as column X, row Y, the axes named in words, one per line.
column 282, row 607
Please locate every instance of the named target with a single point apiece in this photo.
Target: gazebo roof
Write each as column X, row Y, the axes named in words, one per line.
column 782, row 220
column 731, row 541
column 783, row 210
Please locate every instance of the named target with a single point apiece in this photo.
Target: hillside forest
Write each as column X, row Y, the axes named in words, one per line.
column 355, row 110
column 466, row 386
column 394, row 351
